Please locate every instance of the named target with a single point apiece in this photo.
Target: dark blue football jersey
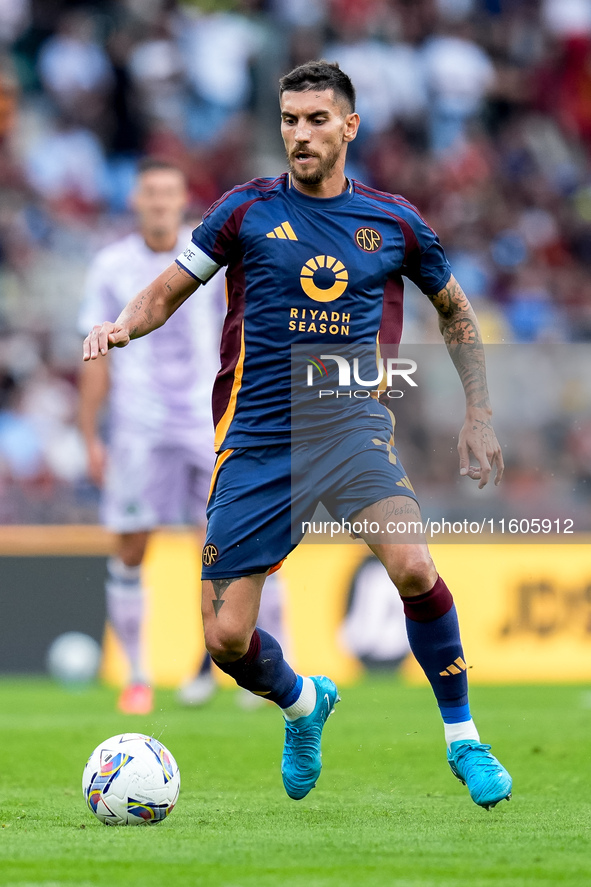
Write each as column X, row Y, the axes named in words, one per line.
column 307, row 271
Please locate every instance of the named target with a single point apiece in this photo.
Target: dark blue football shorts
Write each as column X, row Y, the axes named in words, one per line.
column 262, row 495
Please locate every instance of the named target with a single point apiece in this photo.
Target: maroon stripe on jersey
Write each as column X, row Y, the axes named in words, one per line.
column 260, row 184
column 412, row 249
column 230, row 230
column 230, row 342
column 396, row 199
column 384, row 197
column 391, row 323
column 232, row 329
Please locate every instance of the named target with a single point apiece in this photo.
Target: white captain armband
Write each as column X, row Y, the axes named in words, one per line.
column 198, row 263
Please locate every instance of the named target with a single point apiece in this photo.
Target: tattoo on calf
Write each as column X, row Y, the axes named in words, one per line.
column 219, row 587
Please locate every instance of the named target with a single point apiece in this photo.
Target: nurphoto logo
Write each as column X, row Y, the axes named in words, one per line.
column 389, row 369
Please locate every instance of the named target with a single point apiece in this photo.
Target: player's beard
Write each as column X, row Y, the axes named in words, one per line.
column 314, row 176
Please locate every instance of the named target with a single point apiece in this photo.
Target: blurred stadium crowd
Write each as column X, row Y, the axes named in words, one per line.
column 478, row 111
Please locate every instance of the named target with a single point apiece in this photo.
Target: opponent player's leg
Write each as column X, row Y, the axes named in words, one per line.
column 130, row 508
column 201, row 687
column 125, row 609
column 434, row 637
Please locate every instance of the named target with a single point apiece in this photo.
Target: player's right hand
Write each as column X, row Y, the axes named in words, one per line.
column 101, row 338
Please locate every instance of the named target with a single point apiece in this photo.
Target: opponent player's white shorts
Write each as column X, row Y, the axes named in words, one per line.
column 147, row 485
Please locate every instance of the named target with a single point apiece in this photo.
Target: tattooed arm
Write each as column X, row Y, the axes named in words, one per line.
column 146, row 312
column 461, row 333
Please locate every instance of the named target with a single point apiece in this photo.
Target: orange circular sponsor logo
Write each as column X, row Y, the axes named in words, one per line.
column 210, row 555
column 333, row 269
column 368, row 239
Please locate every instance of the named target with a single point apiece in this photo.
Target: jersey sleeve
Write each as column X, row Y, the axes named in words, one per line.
column 216, row 241
column 98, row 301
column 430, row 270
column 425, row 262
column 197, row 261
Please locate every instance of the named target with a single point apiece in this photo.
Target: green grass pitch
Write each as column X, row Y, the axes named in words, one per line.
column 387, row 810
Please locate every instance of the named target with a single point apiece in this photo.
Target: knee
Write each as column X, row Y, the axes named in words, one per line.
column 413, row 573
column 226, row 643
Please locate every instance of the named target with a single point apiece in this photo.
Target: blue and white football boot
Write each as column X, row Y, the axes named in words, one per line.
column 302, row 759
column 487, row 780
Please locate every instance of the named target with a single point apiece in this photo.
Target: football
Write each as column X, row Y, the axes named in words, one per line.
column 131, row 779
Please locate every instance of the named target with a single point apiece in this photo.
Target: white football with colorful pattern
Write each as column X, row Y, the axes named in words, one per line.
column 131, row 779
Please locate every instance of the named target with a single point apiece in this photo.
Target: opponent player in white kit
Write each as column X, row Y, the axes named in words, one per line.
column 156, row 468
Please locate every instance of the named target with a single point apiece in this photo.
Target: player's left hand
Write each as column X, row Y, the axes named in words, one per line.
column 478, row 439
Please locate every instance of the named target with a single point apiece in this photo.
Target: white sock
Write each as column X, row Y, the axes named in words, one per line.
column 125, row 606
column 304, row 704
column 463, row 730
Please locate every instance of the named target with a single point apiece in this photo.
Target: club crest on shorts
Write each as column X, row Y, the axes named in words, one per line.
column 210, row 555
column 368, row 239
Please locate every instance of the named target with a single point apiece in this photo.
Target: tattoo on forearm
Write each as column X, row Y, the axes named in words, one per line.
column 167, row 282
column 140, row 314
column 151, row 307
column 461, row 334
column 219, row 587
column 469, row 362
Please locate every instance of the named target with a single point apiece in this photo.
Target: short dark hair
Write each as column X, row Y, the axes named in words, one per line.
column 319, row 75
column 147, row 164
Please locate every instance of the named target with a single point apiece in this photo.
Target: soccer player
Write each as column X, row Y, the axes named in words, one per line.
column 157, row 464
column 312, row 257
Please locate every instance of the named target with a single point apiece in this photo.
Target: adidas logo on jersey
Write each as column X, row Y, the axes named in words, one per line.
column 284, row 231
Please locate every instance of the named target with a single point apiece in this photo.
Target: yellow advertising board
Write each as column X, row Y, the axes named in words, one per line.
column 525, row 610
